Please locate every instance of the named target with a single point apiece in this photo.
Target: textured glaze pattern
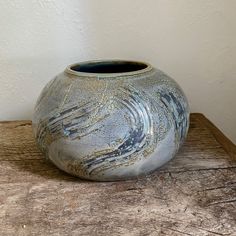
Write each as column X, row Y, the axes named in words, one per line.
column 109, row 127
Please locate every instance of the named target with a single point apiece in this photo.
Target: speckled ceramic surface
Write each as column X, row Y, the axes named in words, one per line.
column 111, row 120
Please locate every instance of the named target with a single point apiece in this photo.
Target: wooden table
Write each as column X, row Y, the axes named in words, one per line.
column 194, row 194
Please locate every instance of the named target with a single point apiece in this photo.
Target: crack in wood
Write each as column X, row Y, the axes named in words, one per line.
column 210, row 231
column 199, row 169
column 230, row 185
column 222, row 202
column 178, row 231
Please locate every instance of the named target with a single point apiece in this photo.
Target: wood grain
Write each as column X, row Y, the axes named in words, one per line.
column 194, row 194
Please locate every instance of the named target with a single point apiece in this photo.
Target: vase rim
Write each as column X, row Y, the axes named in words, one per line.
column 108, row 68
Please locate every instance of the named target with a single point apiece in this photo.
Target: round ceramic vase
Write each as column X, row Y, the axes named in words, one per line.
column 111, row 120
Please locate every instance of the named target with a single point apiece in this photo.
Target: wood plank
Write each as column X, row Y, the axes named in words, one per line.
column 194, row 194
column 227, row 144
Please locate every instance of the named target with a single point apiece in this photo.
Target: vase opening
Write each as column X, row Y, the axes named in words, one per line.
column 109, row 67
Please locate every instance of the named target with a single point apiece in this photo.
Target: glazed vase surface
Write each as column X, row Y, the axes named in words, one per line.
column 111, row 120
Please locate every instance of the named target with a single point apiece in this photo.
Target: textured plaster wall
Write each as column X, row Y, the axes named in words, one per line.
column 194, row 41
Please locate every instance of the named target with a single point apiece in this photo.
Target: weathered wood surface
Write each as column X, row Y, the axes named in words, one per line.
column 194, row 194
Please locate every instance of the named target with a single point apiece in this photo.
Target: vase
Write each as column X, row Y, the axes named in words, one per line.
column 111, row 119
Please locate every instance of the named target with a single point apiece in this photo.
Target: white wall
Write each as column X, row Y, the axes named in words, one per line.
column 194, row 41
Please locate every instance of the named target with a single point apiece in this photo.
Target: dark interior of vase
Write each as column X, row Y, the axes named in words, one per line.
column 109, row 67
